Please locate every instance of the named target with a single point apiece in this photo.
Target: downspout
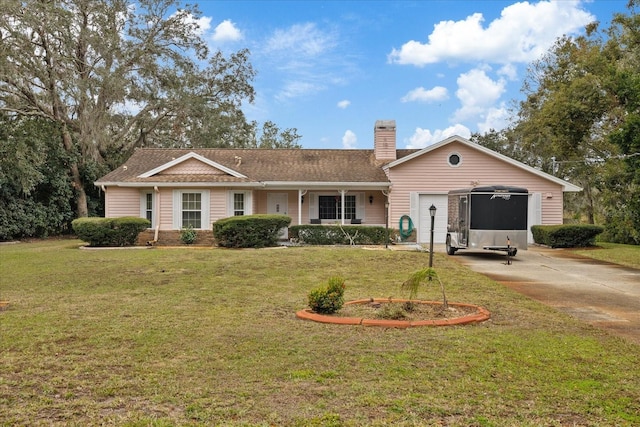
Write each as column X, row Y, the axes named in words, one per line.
column 157, row 214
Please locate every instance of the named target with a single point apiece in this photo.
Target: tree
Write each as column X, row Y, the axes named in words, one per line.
column 564, row 117
column 580, row 121
column 115, row 75
column 622, row 49
column 272, row 137
column 35, row 196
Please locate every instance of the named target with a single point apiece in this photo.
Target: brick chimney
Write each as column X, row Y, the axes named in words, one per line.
column 384, row 140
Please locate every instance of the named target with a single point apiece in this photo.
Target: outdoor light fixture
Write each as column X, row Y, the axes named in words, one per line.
column 432, row 212
column 302, row 199
column 371, row 199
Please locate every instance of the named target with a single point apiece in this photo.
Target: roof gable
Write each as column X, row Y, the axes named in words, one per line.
column 166, row 167
column 567, row 186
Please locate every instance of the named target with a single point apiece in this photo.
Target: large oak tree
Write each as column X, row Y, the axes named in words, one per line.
column 113, row 75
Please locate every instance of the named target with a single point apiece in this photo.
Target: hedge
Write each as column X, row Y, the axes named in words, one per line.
column 121, row 231
column 566, row 236
column 249, row 231
column 338, row 234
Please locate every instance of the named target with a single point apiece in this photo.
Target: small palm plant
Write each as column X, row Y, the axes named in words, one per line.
column 412, row 284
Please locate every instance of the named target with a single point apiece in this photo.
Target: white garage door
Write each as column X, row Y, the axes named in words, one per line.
column 534, row 214
column 424, row 219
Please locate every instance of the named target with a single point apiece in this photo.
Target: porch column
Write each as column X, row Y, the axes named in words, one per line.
column 301, row 193
column 342, row 193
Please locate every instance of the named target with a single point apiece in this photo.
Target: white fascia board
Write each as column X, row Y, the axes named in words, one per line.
column 323, row 185
column 567, row 187
column 280, row 185
column 191, row 155
column 177, row 184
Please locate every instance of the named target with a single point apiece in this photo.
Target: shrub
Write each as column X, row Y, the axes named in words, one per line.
column 109, row 231
column 249, row 231
column 338, row 234
column 328, row 299
column 566, row 236
column 188, row 235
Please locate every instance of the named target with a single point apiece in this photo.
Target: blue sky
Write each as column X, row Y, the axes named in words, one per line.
column 332, row 68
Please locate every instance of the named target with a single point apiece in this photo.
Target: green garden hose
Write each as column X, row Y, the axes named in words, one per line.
column 405, row 234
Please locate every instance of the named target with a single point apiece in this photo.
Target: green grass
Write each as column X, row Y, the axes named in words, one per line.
column 173, row 337
column 628, row 255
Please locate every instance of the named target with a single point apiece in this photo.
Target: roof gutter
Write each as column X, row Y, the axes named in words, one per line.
column 281, row 185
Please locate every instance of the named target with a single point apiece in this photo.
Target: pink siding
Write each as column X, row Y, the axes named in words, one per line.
column 121, row 202
column 192, row 166
column 219, row 201
column 374, row 212
column 431, row 173
column 165, row 208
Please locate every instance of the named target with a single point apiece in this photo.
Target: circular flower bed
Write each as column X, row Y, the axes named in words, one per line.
column 376, row 312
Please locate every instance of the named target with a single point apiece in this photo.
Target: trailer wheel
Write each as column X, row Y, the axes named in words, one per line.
column 513, row 252
column 450, row 250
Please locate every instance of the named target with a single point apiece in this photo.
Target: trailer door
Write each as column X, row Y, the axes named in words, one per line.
column 463, row 217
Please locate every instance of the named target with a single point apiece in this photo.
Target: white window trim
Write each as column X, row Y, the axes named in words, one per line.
column 248, row 202
column 143, row 206
column 205, row 198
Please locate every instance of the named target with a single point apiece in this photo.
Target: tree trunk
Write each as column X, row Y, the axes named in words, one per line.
column 82, row 209
column 589, row 205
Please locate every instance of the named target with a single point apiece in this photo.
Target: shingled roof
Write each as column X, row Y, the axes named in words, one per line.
column 257, row 165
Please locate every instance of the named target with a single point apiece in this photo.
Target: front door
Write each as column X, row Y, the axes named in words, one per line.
column 277, row 204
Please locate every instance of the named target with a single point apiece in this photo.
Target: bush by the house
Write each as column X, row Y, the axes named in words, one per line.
column 328, row 299
column 109, row 231
column 566, row 236
column 338, row 234
column 188, row 235
column 249, row 231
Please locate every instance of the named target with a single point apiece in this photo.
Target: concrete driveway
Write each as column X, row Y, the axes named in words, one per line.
column 602, row 294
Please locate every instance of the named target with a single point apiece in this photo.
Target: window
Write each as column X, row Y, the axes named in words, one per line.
column 147, row 201
column 190, row 209
column 149, row 206
column 238, row 204
column 329, row 207
column 454, row 159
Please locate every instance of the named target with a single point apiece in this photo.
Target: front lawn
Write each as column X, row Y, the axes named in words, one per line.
column 628, row 255
column 203, row 336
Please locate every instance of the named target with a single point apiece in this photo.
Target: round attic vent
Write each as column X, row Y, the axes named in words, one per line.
column 454, row 159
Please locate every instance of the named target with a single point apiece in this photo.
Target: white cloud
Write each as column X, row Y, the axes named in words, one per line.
column 424, row 137
column 438, row 93
column 509, row 71
column 305, row 57
column 298, row 88
column 344, row 103
column 495, row 118
column 226, row 31
column 349, row 140
column 522, row 33
column 304, row 40
column 477, row 92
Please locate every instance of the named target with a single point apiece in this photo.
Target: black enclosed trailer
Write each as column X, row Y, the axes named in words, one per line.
column 491, row 217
